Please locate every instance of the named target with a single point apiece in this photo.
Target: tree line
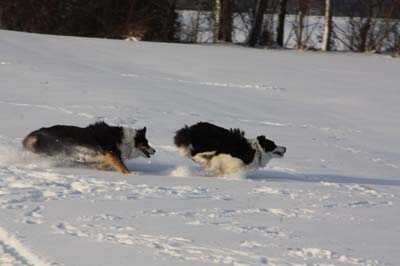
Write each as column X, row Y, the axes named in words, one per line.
column 366, row 25
column 151, row 20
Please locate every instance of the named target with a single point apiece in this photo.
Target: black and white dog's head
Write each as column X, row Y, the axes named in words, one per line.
column 134, row 144
column 268, row 150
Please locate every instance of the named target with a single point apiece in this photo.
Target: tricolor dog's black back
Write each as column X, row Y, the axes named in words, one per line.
column 62, row 139
column 96, row 143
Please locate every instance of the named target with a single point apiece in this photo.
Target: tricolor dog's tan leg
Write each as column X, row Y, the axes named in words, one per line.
column 103, row 165
column 115, row 161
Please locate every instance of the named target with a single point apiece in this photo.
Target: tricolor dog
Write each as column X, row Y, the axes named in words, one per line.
column 100, row 144
column 222, row 151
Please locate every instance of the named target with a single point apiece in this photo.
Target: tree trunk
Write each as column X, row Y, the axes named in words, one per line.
column 362, row 46
column 280, row 30
column 171, row 27
column 225, row 29
column 129, row 16
column 300, row 21
column 217, row 19
column 365, row 27
column 197, row 22
column 326, row 44
column 302, row 9
column 261, row 6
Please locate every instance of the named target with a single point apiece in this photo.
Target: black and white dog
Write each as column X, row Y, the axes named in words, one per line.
column 99, row 143
column 222, row 151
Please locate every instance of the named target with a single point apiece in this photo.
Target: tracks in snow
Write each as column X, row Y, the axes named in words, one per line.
column 27, row 189
column 51, row 108
column 14, row 253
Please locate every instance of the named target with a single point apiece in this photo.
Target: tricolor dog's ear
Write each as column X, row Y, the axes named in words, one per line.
column 142, row 131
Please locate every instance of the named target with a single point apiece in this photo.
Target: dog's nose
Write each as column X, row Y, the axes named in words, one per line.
column 284, row 149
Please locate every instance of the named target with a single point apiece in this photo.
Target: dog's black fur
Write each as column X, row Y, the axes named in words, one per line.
column 204, row 137
column 97, row 139
column 61, row 139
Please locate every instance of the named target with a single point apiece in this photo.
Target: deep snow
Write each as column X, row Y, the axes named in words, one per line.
column 333, row 200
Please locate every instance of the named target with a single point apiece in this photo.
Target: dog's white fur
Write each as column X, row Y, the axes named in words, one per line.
column 185, row 150
column 221, row 164
column 225, row 164
column 127, row 146
column 261, row 158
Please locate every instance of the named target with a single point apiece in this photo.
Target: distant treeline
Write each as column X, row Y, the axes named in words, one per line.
column 317, row 7
column 151, row 20
column 367, row 25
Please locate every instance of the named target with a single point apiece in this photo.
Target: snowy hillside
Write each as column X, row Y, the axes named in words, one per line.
column 333, row 200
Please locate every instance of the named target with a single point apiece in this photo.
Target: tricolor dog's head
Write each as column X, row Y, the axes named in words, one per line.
column 269, row 150
column 142, row 145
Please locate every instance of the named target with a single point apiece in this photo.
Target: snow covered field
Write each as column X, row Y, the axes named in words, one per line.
column 333, row 200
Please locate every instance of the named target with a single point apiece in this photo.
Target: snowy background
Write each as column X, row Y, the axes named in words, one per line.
column 333, row 199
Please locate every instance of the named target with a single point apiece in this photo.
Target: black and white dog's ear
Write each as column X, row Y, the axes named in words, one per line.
column 266, row 144
column 144, row 130
column 261, row 138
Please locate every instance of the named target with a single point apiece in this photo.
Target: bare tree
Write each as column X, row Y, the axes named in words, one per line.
column 280, row 30
column 326, row 43
column 217, row 19
column 261, row 6
column 197, row 21
column 225, row 33
column 388, row 33
column 302, row 7
column 223, row 19
column 366, row 26
column 372, row 25
column 171, row 21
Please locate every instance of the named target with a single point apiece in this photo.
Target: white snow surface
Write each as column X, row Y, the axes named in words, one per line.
column 333, row 199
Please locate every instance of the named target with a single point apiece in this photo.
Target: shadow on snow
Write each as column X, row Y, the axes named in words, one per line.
column 316, row 178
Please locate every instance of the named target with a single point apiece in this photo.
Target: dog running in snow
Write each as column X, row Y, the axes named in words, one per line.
column 222, row 151
column 100, row 144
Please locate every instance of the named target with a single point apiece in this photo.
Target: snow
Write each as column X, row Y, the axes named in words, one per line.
column 333, row 199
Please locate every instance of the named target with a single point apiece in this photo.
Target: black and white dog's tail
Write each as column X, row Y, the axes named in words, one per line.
column 30, row 142
column 183, row 137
